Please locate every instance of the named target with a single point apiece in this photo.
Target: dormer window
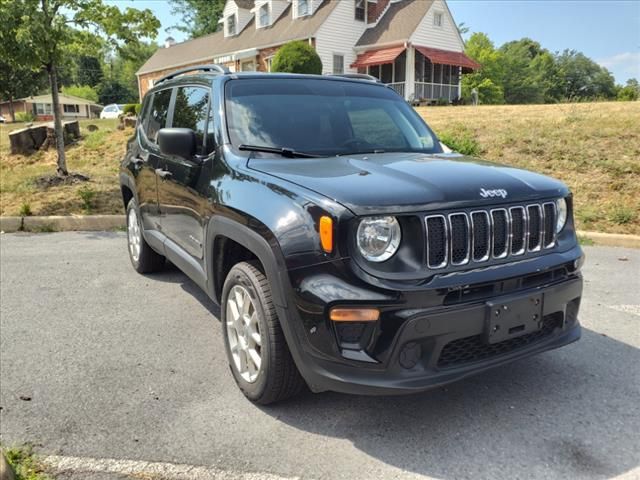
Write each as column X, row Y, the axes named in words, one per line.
column 231, row 25
column 303, row 8
column 360, row 10
column 264, row 17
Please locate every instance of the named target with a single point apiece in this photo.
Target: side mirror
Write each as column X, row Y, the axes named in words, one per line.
column 180, row 142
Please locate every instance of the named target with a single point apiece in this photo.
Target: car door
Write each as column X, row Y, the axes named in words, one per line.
column 183, row 182
column 148, row 159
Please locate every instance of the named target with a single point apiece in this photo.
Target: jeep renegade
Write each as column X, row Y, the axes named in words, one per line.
column 347, row 250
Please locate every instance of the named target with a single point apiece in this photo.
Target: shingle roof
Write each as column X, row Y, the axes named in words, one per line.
column 214, row 45
column 397, row 24
column 246, row 4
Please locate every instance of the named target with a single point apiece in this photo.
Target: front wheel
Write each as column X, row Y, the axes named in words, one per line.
column 257, row 351
column 143, row 258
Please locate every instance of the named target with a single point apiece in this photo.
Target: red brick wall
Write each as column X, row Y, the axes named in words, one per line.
column 375, row 9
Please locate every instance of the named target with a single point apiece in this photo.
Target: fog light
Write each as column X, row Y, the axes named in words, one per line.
column 354, row 314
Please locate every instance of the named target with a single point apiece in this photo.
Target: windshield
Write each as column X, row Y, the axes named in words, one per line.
column 324, row 117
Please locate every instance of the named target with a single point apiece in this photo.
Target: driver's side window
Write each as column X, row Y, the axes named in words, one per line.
column 191, row 111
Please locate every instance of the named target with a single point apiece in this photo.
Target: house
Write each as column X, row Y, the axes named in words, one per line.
column 42, row 107
column 412, row 45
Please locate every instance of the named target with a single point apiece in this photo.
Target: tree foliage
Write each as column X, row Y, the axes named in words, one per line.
column 198, row 17
column 43, row 34
column 81, row 91
column 630, row 92
column 297, row 57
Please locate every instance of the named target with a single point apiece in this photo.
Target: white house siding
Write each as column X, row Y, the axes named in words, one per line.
column 445, row 37
column 276, row 8
column 338, row 35
column 243, row 17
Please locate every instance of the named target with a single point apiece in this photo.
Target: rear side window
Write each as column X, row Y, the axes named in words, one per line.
column 190, row 111
column 158, row 113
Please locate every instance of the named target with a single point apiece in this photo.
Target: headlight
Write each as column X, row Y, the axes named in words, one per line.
column 378, row 238
column 561, row 214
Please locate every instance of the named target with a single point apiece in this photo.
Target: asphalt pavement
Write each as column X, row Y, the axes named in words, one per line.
column 98, row 362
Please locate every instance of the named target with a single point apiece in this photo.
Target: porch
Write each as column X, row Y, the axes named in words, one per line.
column 417, row 73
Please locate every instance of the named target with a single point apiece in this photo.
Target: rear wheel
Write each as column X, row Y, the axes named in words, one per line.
column 143, row 258
column 258, row 355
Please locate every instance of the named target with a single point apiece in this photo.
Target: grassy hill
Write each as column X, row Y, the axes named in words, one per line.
column 594, row 148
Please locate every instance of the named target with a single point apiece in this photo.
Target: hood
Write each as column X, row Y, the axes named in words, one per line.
column 404, row 182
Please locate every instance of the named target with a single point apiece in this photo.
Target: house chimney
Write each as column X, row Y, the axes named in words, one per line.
column 169, row 42
column 375, row 9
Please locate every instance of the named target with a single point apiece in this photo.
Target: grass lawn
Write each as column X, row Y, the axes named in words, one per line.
column 593, row 147
column 97, row 155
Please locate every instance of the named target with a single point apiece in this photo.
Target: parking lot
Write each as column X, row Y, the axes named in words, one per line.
column 97, row 361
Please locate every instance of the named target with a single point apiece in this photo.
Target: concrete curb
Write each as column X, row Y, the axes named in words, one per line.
column 611, row 239
column 111, row 222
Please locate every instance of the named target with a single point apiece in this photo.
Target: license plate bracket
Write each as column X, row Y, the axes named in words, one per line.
column 513, row 318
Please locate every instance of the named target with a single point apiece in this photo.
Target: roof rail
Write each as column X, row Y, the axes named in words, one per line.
column 356, row 76
column 218, row 69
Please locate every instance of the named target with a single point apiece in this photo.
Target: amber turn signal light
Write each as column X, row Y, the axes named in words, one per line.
column 354, row 314
column 326, row 233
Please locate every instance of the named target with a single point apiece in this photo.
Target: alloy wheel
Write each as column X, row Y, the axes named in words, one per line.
column 243, row 333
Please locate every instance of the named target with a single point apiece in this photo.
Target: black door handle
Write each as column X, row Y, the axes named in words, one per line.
column 163, row 173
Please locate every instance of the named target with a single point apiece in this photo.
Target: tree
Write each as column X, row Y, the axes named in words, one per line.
column 297, row 57
column 630, row 92
column 488, row 79
column 89, row 71
column 199, row 17
column 120, row 84
column 40, row 34
column 17, row 82
column 582, row 78
column 81, row 91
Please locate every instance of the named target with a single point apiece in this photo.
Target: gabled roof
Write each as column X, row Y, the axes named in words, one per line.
column 201, row 49
column 397, row 24
column 246, row 4
column 64, row 99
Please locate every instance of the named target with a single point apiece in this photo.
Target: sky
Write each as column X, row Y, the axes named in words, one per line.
column 607, row 31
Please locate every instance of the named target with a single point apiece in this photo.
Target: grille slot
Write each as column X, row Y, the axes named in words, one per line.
column 500, row 232
column 549, row 224
column 436, row 241
column 518, row 230
column 460, row 238
column 535, row 227
column 481, row 236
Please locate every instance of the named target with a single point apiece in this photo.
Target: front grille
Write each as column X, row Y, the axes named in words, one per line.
column 473, row 349
column 460, row 237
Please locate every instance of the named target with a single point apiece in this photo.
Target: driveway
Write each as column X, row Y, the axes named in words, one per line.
column 129, row 367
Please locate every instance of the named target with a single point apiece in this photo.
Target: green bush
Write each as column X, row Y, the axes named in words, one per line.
column 24, row 117
column 461, row 141
column 81, row 91
column 131, row 109
column 297, row 57
column 25, row 210
column 87, row 195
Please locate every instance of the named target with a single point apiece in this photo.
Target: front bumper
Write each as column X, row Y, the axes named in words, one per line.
column 425, row 339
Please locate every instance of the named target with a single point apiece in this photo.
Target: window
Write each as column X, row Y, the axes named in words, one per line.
column 43, row 109
column 158, row 113
column 264, row 15
column 338, row 64
column 437, row 19
column 360, row 10
column 231, row 25
column 303, row 8
column 190, row 111
column 71, row 108
column 323, row 118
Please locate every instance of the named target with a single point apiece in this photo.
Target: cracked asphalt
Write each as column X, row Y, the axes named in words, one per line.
column 122, row 366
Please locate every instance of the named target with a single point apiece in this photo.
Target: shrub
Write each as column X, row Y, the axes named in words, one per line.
column 87, row 195
column 131, row 109
column 25, row 210
column 297, row 57
column 24, row 117
column 461, row 141
column 623, row 215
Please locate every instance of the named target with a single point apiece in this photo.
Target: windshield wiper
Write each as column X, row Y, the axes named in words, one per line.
column 284, row 151
column 362, row 152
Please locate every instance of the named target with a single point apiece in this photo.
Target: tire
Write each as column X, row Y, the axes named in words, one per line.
column 143, row 258
column 277, row 377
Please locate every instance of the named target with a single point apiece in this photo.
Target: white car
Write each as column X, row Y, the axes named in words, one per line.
column 111, row 111
column 2, row 120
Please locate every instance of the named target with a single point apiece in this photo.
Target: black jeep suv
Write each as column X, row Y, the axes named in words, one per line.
column 347, row 250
